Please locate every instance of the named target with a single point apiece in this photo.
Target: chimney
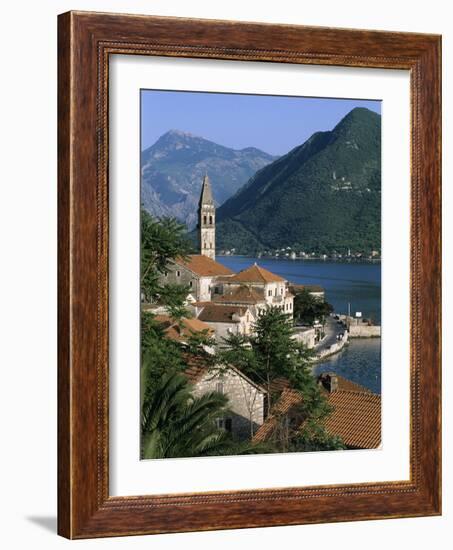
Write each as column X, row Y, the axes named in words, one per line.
column 329, row 380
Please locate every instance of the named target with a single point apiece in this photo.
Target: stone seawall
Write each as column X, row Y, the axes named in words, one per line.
column 364, row 331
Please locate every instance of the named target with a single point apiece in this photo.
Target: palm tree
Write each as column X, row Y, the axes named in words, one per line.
column 177, row 424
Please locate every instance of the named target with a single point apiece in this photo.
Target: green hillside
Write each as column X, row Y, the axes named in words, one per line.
column 322, row 196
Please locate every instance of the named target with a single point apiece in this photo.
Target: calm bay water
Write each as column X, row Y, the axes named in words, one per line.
column 358, row 284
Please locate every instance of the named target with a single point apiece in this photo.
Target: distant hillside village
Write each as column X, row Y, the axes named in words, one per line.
column 220, row 336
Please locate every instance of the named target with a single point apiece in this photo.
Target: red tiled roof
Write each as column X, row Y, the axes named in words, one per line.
column 288, row 399
column 256, row 274
column 180, row 333
column 198, row 366
column 356, row 418
column 216, row 313
column 203, row 266
column 342, row 383
column 241, row 295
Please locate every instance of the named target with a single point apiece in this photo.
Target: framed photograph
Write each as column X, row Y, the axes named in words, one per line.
column 249, row 275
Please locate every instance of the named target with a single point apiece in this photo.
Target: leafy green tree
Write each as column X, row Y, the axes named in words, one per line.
column 308, row 308
column 271, row 353
column 177, row 424
column 314, row 437
column 162, row 240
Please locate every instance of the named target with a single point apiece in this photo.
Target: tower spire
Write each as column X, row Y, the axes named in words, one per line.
column 206, row 219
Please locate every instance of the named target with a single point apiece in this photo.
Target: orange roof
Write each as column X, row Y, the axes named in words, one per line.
column 241, row 295
column 180, row 333
column 203, row 266
column 356, row 418
column 356, row 414
column 256, row 274
column 199, row 365
column 342, row 383
column 288, row 399
column 216, row 313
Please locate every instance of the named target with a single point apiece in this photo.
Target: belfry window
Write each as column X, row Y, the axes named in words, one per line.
column 205, row 220
column 210, row 220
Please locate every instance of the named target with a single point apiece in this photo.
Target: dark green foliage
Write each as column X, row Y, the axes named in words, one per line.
column 314, row 437
column 177, row 424
column 322, row 196
column 307, row 308
column 270, row 354
column 162, row 240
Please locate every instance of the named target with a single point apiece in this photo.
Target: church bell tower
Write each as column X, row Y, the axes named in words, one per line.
column 206, row 220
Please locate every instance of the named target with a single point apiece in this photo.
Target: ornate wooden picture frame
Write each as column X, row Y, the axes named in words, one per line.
column 85, row 507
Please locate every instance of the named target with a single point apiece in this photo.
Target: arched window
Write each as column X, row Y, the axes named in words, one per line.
column 205, row 220
column 210, row 220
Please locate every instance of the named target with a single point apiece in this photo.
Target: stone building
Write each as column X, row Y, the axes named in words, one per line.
column 206, row 220
column 227, row 319
column 199, row 273
column 242, row 295
column 271, row 288
column 246, row 399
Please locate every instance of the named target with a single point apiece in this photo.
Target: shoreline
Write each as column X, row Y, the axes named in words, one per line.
column 308, row 259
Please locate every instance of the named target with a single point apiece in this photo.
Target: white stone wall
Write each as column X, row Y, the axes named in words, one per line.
column 246, row 402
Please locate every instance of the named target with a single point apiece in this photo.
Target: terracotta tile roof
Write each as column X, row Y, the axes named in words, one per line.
column 356, row 415
column 187, row 328
column 356, row 418
column 256, row 274
column 279, row 384
column 198, row 365
column 241, row 295
column 342, row 383
column 288, row 399
column 203, row 266
column 216, row 313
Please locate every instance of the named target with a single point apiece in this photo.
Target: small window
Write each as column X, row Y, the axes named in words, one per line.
column 220, row 423
column 205, row 220
column 210, row 220
column 281, row 291
column 166, row 273
column 228, row 424
column 269, row 292
column 178, row 273
column 210, row 246
column 191, row 284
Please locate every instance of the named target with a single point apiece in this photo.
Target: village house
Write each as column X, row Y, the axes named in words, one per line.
column 199, row 273
column 212, row 284
column 183, row 330
column 350, row 403
column 271, row 289
column 227, row 319
column 316, row 291
column 246, row 399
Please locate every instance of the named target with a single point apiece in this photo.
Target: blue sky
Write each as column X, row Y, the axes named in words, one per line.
column 274, row 124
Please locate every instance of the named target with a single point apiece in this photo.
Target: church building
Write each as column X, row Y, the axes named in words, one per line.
column 200, row 271
column 216, row 289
